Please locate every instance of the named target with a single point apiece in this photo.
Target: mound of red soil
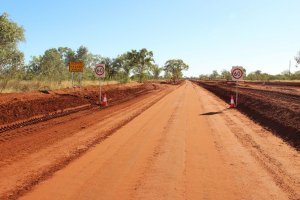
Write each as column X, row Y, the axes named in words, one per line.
column 275, row 83
column 22, row 106
column 279, row 112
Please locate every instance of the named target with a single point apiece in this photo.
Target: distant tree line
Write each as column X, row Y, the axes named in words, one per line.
column 53, row 64
column 257, row 75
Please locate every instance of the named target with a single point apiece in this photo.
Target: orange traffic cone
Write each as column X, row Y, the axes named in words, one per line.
column 232, row 105
column 104, row 100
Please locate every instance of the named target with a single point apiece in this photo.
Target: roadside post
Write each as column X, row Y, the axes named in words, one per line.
column 100, row 73
column 76, row 67
column 237, row 74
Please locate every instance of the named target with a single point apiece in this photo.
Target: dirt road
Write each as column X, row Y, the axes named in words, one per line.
column 276, row 107
column 187, row 145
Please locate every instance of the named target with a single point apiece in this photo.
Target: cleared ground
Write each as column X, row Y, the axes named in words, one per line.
column 180, row 142
column 275, row 105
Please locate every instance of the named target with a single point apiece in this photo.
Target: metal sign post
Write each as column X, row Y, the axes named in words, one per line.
column 100, row 72
column 236, row 94
column 80, row 83
column 100, row 90
column 237, row 74
column 72, row 79
column 76, row 67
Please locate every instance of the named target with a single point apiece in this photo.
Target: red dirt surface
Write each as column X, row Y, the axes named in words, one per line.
column 275, row 83
column 17, row 145
column 15, row 107
column 186, row 145
column 277, row 107
column 174, row 142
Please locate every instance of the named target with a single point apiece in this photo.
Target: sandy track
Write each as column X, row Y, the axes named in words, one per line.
column 186, row 146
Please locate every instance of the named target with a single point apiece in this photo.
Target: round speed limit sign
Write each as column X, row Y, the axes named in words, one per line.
column 100, row 70
column 237, row 73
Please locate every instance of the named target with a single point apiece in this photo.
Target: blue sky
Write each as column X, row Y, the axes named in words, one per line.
column 207, row 35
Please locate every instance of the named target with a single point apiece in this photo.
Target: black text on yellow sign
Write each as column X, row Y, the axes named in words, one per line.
column 76, row 66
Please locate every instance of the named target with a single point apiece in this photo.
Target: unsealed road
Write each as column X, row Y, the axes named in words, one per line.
column 187, row 145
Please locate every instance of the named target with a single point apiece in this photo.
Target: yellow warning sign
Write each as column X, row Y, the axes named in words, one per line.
column 76, row 66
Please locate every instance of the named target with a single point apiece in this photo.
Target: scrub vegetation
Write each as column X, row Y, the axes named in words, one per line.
column 50, row 70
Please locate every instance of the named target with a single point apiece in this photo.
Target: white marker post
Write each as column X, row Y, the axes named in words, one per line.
column 237, row 74
column 100, row 72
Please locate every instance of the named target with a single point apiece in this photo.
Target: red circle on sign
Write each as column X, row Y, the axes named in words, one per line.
column 99, row 70
column 237, row 73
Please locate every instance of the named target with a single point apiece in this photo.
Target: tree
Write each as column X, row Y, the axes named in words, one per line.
column 66, row 54
column 296, row 75
column 155, row 70
column 92, row 60
column 140, row 60
column 52, row 66
column 10, row 57
column 226, row 75
column 297, row 58
column 257, row 75
column 215, row 75
column 69, row 55
column 33, row 69
column 81, row 54
column 109, row 72
column 174, row 68
column 90, row 63
column 203, row 77
column 125, row 67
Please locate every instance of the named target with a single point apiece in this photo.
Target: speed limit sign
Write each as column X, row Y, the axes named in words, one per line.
column 237, row 73
column 100, row 70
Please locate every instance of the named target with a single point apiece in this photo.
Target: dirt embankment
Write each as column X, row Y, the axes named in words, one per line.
column 277, row 111
column 18, row 107
column 275, row 83
column 33, row 153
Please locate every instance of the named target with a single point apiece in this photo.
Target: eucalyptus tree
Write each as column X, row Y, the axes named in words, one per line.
column 109, row 73
column 141, row 61
column 214, row 75
column 92, row 60
column 226, row 74
column 10, row 57
column 81, row 54
column 174, row 68
column 69, row 55
column 89, row 64
column 52, row 66
column 33, row 69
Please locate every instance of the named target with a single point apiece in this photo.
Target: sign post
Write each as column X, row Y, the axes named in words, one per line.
column 76, row 67
column 237, row 74
column 100, row 72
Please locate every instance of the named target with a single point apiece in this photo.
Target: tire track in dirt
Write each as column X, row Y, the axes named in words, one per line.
column 281, row 177
column 143, row 182
column 36, row 178
column 281, row 117
column 46, row 133
column 189, row 153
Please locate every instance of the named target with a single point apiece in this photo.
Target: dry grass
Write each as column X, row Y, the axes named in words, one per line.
column 26, row 86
